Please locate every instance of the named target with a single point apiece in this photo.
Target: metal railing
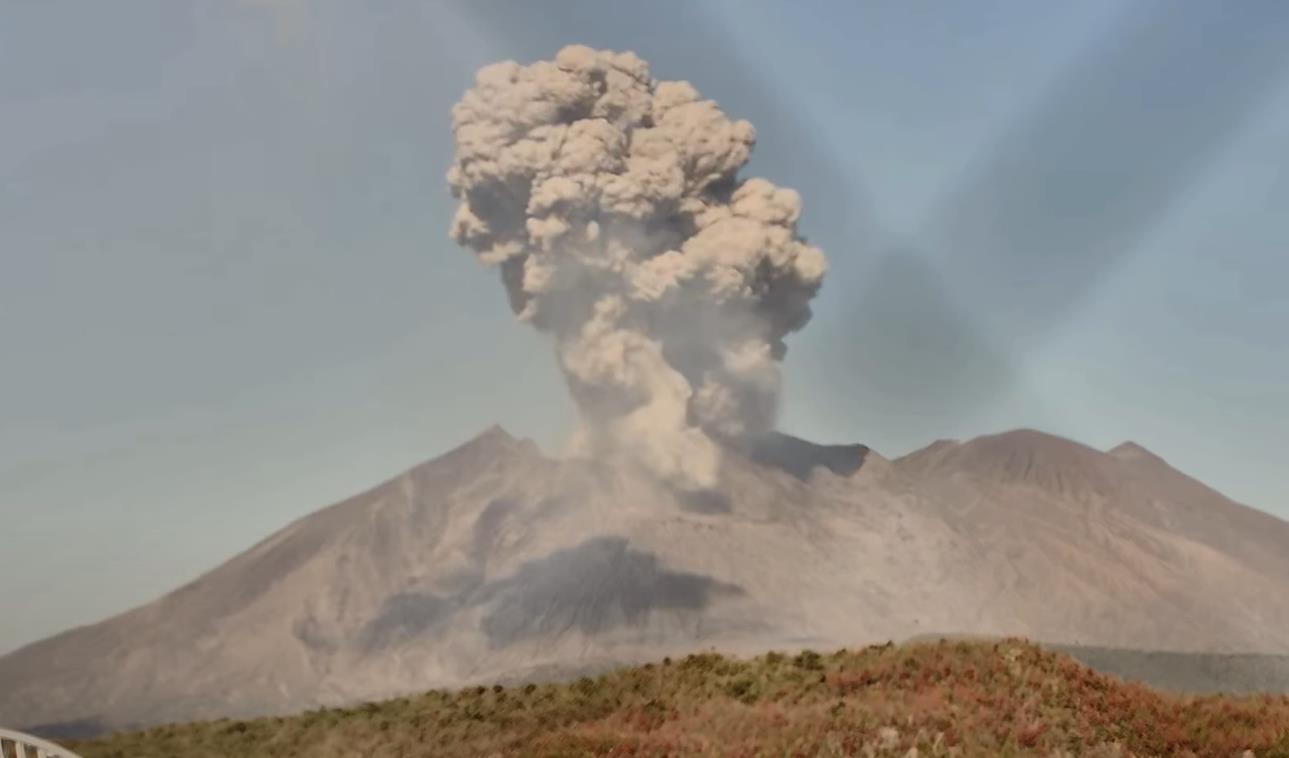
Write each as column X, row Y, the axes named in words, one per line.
column 18, row 745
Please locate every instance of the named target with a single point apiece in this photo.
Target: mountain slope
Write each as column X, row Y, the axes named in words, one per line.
column 496, row 563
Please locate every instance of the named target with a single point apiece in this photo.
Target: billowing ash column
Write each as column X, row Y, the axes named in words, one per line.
column 612, row 205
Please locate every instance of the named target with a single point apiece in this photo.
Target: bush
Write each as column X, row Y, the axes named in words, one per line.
column 744, row 688
column 809, row 660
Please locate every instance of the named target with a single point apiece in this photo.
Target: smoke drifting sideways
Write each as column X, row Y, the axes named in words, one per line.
column 612, row 205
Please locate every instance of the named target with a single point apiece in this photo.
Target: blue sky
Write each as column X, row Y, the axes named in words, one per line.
column 227, row 296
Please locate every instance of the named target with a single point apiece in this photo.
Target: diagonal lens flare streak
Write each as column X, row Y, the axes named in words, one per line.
column 1017, row 245
column 1078, row 184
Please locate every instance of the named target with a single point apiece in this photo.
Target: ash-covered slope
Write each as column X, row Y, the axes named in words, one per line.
column 496, row 563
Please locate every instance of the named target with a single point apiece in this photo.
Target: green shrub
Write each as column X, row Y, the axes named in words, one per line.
column 809, row 660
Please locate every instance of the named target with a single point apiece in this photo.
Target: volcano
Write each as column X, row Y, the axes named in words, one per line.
column 496, row 563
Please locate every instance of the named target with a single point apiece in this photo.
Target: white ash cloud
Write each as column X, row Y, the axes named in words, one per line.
column 612, row 206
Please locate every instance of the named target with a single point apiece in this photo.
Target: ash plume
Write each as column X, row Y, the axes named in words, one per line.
column 612, row 205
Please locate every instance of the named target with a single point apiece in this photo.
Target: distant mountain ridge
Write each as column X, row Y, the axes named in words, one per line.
column 495, row 562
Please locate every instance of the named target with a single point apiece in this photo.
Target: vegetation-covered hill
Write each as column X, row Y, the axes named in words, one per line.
column 927, row 699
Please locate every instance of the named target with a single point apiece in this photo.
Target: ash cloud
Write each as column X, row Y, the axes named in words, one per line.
column 612, row 205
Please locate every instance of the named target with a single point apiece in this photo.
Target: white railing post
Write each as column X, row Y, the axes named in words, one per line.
column 23, row 743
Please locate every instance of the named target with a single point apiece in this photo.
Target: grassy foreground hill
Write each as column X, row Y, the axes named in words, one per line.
column 925, row 699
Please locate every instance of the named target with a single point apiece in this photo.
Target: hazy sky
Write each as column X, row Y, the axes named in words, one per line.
column 227, row 296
